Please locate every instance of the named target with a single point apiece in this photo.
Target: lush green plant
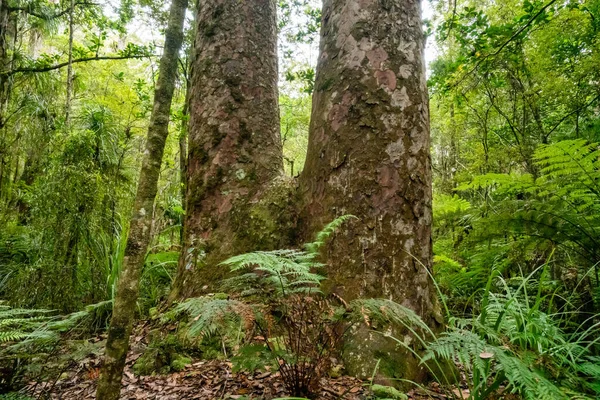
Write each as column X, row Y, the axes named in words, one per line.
column 278, row 297
column 526, row 219
column 512, row 342
column 31, row 338
column 382, row 392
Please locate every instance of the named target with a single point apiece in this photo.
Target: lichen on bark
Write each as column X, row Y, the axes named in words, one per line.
column 235, row 154
column 368, row 154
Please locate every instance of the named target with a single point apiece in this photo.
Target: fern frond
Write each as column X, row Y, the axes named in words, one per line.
column 212, row 314
column 321, row 237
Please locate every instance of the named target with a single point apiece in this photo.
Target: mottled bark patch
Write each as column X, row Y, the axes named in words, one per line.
column 368, row 154
column 235, row 147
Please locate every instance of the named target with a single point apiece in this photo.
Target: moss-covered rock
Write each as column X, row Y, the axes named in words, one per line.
column 387, row 392
column 165, row 353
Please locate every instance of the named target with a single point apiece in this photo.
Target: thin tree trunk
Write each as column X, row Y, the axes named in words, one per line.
column 4, row 61
column 117, row 343
column 3, row 92
column 368, row 155
column 183, row 136
column 70, row 68
column 234, row 141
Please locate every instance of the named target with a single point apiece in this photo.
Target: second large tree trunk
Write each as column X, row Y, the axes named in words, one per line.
column 235, row 156
column 368, row 152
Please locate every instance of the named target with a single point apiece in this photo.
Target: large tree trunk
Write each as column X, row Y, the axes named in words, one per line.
column 368, row 152
column 235, row 155
column 119, row 330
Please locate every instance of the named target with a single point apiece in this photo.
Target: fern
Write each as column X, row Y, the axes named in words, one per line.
column 523, row 217
column 313, row 248
column 513, row 341
column 17, row 324
column 445, row 206
column 31, row 326
column 211, row 315
column 281, row 272
column 277, row 293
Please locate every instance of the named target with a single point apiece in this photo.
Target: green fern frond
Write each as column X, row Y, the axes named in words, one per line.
column 387, row 311
column 321, row 237
column 280, row 271
column 212, row 314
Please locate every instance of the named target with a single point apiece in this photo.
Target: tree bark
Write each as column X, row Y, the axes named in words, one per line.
column 70, row 67
column 368, row 152
column 183, row 137
column 4, row 85
column 125, row 300
column 4, row 60
column 235, row 153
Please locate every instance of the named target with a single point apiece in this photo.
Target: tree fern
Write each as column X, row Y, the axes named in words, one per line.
column 560, row 208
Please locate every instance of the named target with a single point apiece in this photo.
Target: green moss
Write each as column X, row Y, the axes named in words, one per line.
column 267, row 223
column 179, row 362
column 149, row 363
column 388, row 392
column 164, row 354
column 366, row 353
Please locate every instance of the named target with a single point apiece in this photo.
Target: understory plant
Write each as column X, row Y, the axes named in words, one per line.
column 511, row 343
column 33, row 342
column 277, row 303
column 508, row 343
column 287, row 322
column 513, row 222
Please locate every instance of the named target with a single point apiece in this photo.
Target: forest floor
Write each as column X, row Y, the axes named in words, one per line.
column 201, row 380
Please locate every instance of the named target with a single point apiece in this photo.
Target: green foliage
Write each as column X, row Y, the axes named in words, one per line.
column 526, row 219
column 277, row 294
column 252, row 357
column 19, row 324
column 166, row 353
column 30, row 335
column 512, row 341
column 214, row 315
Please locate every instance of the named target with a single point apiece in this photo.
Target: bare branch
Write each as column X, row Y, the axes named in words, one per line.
column 40, row 15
